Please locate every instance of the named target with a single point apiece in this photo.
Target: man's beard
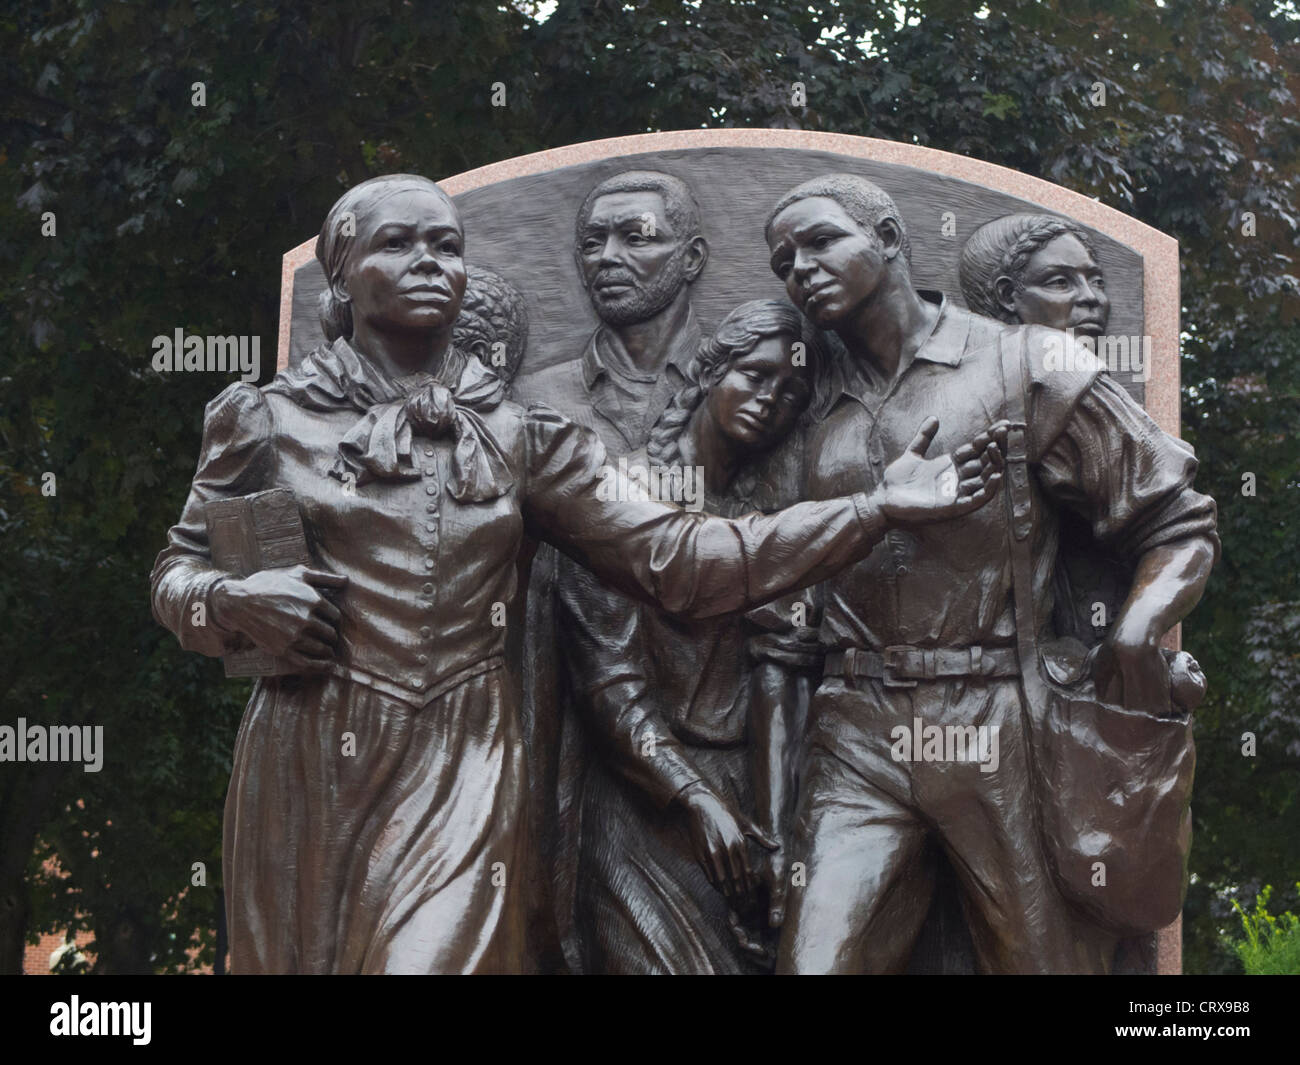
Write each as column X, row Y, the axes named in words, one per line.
column 641, row 303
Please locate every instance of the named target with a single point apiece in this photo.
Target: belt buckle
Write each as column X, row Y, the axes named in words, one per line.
column 892, row 660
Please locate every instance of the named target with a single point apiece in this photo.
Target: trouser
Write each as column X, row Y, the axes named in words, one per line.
column 870, row 824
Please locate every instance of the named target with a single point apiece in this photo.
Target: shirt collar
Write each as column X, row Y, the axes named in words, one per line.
column 335, row 375
column 681, row 350
column 945, row 345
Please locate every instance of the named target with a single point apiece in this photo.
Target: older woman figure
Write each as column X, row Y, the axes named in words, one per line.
column 1036, row 269
column 693, row 723
column 373, row 821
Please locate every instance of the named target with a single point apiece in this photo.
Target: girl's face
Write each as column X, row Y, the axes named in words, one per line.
column 761, row 394
column 407, row 273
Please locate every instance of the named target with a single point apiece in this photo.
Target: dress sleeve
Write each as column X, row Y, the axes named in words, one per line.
column 1130, row 480
column 236, row 458
column 687, row 563
column 604, row 640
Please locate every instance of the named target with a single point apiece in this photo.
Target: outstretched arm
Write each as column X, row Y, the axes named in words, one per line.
column 702, row 566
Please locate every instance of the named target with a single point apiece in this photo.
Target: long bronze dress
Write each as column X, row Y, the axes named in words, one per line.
column 667, row 703
column 374, row 821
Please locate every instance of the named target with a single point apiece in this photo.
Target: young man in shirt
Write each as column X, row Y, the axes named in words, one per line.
column 869, row 825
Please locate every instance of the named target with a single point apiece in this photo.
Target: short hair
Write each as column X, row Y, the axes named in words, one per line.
column 863, row 201
column 335, row 248
column 1002, row 248
column 492, row 312
column 679, row 202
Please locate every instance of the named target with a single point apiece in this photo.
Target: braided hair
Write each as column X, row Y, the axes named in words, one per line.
column 737, row 336
column 492, row 312
column 1002, row 248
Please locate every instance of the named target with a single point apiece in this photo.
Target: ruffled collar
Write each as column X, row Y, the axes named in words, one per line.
column 378, row 447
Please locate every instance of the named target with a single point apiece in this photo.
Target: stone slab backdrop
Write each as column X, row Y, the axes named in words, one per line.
column 519, row 217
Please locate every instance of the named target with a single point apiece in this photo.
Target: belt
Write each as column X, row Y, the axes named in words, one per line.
column 902, row 666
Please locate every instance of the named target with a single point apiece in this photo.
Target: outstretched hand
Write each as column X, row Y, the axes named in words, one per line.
column 916, row 490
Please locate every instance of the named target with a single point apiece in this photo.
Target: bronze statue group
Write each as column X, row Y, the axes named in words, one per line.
column 700, row 774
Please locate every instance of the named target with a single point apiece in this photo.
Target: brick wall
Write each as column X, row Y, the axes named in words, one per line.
column 36, row 959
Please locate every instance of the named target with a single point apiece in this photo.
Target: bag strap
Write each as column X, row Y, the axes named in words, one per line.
column 1019, row 502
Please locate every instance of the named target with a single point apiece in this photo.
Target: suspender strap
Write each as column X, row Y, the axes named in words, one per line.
column 1019, row 503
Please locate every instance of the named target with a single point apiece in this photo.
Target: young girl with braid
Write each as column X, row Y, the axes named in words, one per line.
column 691, row 723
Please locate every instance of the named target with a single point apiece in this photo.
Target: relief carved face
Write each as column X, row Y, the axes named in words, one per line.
column 633, row 262
column 759, row 396
column 408, row 273
column 1061, row 286
column 830, row 265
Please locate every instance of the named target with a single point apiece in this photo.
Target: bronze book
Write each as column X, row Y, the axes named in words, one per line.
column 250, row 533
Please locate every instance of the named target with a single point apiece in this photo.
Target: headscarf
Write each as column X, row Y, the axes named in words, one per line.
column 335, row 246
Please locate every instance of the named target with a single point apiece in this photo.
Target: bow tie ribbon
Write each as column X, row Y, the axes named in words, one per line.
column 378, row 447
column 335, row 377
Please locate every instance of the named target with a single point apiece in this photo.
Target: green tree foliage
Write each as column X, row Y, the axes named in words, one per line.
column 174, row 215
column 168, row 215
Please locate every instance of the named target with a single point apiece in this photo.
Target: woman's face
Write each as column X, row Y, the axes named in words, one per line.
column 1061, row 287
column 761, row 394
column 407, row 274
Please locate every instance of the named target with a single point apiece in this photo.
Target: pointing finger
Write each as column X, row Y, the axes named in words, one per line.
column 924, row 436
